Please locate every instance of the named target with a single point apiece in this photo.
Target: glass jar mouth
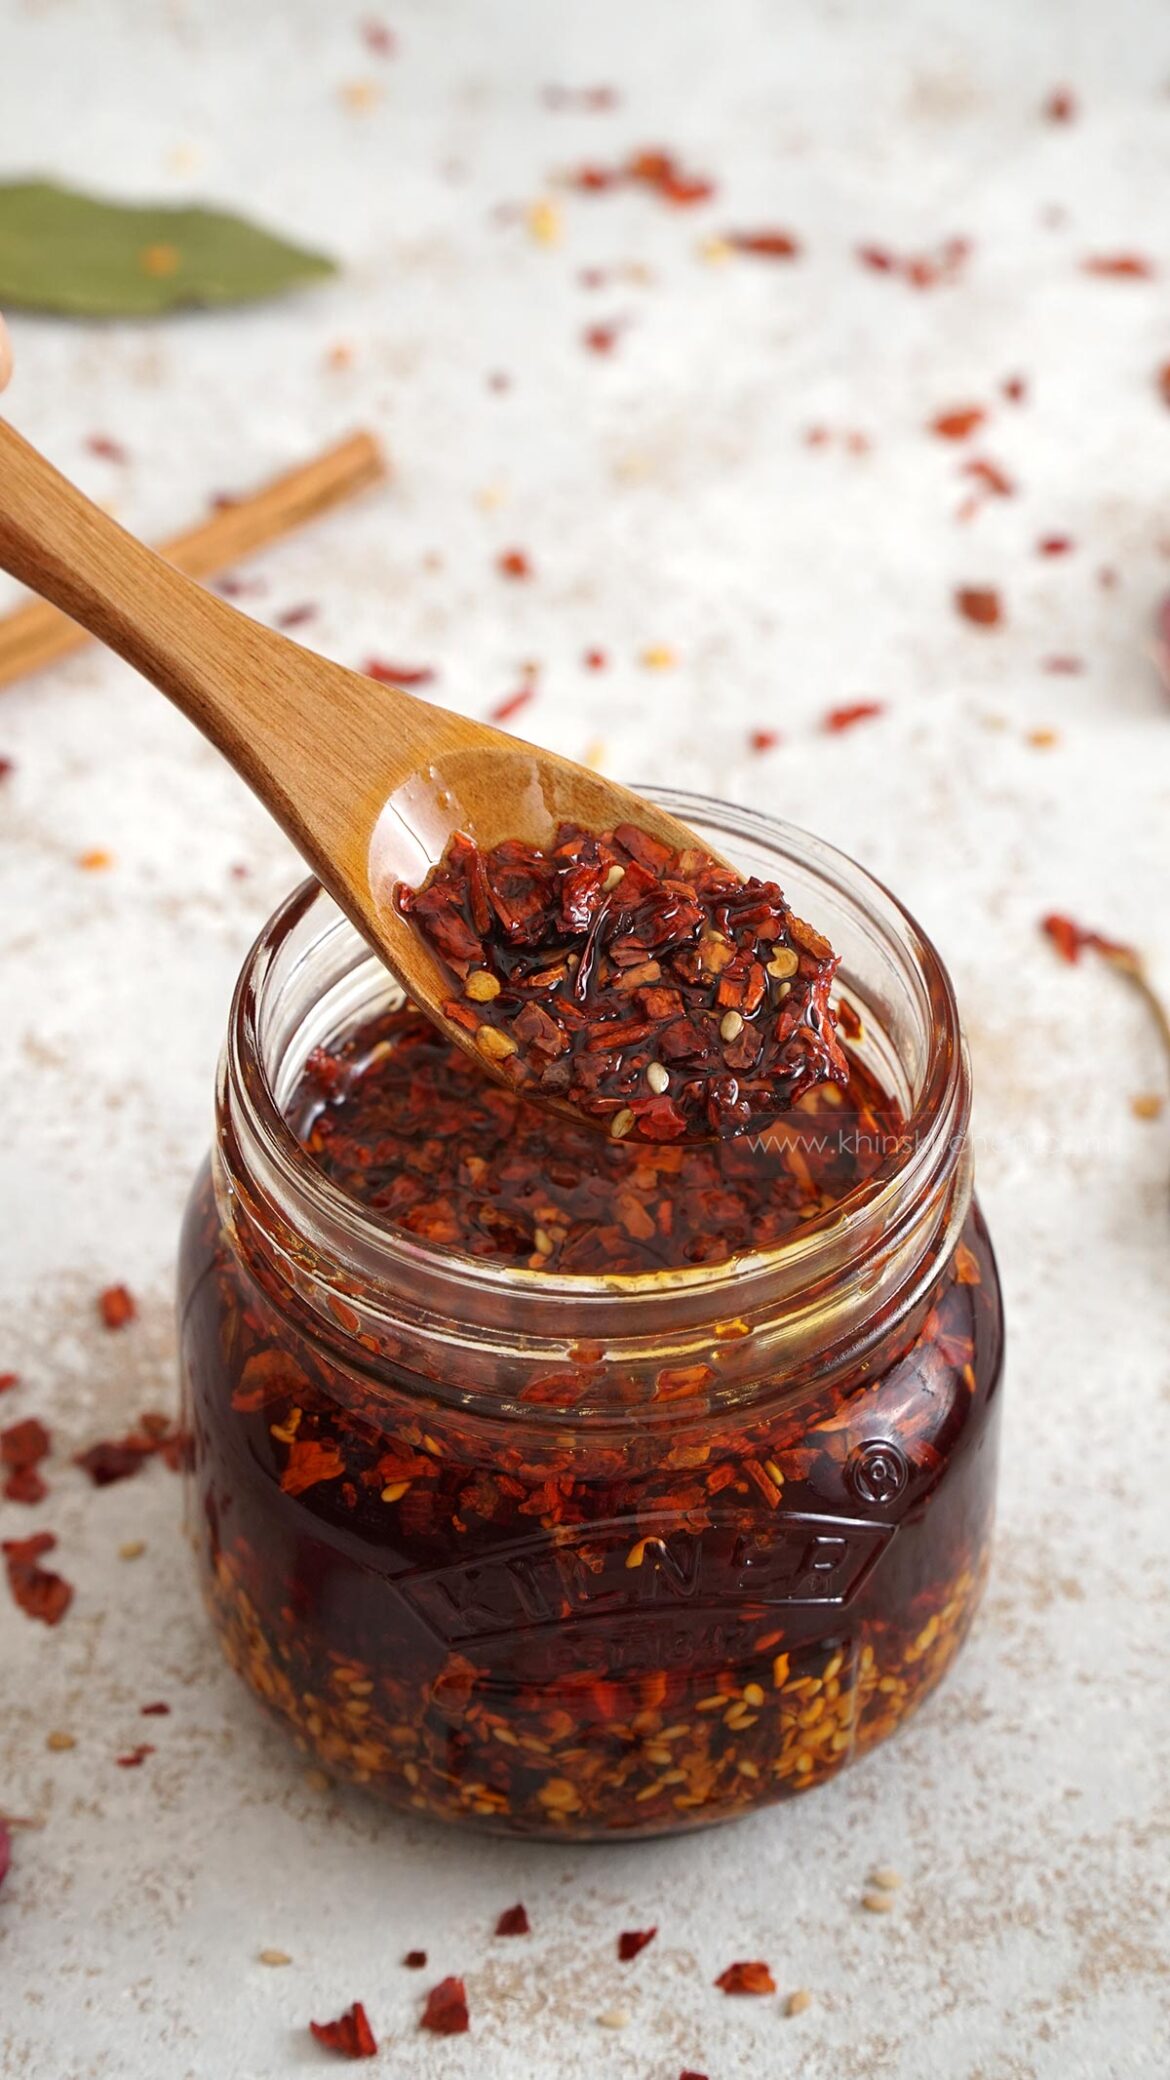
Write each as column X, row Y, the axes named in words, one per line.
column 266, row 1047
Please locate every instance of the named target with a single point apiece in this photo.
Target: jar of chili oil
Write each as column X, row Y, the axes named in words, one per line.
column 606, row 1552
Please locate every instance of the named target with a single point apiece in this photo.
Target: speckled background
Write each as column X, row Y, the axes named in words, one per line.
column 668, row 495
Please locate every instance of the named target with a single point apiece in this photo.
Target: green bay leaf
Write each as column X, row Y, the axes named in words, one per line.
column 61, row 250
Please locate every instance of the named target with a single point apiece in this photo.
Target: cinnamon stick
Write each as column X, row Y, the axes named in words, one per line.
column 38, row 634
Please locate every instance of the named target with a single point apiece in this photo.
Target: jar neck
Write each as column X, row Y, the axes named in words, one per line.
column 632, row 1346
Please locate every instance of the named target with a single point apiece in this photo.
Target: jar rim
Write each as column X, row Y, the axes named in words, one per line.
column 930, row 1140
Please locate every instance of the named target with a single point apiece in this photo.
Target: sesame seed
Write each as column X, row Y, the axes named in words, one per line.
column 621, row 1123
column 614, row 875
column 58, row 1742
column 878, row 1902
column 542, row 1242
column 275, row 1957
column 658, row 1078
column 614, row 2018
column 730, row 1025
column 495, row 1044
column 784, row 962
column 133, row 1549
column 885, row 1879
column 797, row 2002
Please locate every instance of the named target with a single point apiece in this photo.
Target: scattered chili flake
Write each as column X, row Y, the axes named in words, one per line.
column 378, row 37
column 117, row 1306
column 632, row 1940
column 37, row 1590
column 350, row 2034
column 415, row 1960
column 109, row 450
column 1015, row 388
column 446, row 2009
column 296, row 617
column 656, row 992
column 155, row 1711
column 514, row 1922
column 595, row 660
column 765, row 245
column 1163, row 380
column 1060, row 106
column 852, row 712
column 764, row 739
column 7, row 766
column 310, row 1461
column 989, row 477
column 1054, row 545
column 512, row 704
column 1061, row 665
column 690, row 2074
column 8, row 1380
column 746, row 1976
column 1071, row 940
column 1125, row 267
column 22, row 1447
column 5, row 1851
column 979, row 604
column 398, row 674
column 658, row 170
column 514, row 563
column 600, row 339
column 115, row 1459
column 135, row 1757
column 920, row 270
column 958, row 422
column 584, row 100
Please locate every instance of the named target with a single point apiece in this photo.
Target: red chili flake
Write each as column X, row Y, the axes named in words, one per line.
column 920, row 270
column 1163, row 381
column 350, row 2034
column 632, row 1940
column 979, row 604
column 956, row 424
column 135, row 1757
column 656, row 992
column 109, row 450
column 7, row 766
column 118, row 1306
column 8, row 1380
column 115, row 1459
column 1071, row 939
column 764, row 739
column 37, row 1590
column 512, row 704
column 406, row 675
column 854, row 711
column 655, row 169
column 690, row 2074
column 595, row 660
column 155, row 1711
column 514, row 1922
column 514, row 563
column 1062, row 667
column 446, row 2009
column 766, row 245
column 1061, row 106
column 22, row 1447
column 311, row 1460
column 415, row 1960
column 1054, row 545
column 585, row 100
column 1122, row 267
column 600, row 339
column 398, row 674
column 594, row 180
column 295, row 617
column 378, row 37
column 989, row 476
column 1015, row 388
column 746, row 1976
column 499, row 381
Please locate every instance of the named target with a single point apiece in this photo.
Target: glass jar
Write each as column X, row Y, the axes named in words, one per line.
column 641, row 1553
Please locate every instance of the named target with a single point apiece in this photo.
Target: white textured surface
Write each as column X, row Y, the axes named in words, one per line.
column 666, row 495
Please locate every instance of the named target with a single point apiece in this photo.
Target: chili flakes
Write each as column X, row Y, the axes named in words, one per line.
column 37, row 1590
column 514, row 1922
column 747, row 1976
column 351, row 2034
column 117, row 1306
column 633, row 1940
column 446, row 2009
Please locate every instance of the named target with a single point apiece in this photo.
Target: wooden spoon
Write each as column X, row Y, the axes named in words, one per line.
column 368, row 782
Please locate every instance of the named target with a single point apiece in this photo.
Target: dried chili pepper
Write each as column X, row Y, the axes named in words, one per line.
column 656, row 992
column 658, row 170
column 155, row 1711
column 920, row 270
column 958, row 423
column 37, row 1590
column 351, row 2034
column 296, row 617
column 633, row 1940
column 845, row 717
column 746, row 1976
column 116, row 1459
column 22, row 1447
column 514, row 1922
column 117, row 1306
column 446, row 2009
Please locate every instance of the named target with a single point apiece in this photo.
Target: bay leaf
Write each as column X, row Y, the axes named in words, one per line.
column 62, row 250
